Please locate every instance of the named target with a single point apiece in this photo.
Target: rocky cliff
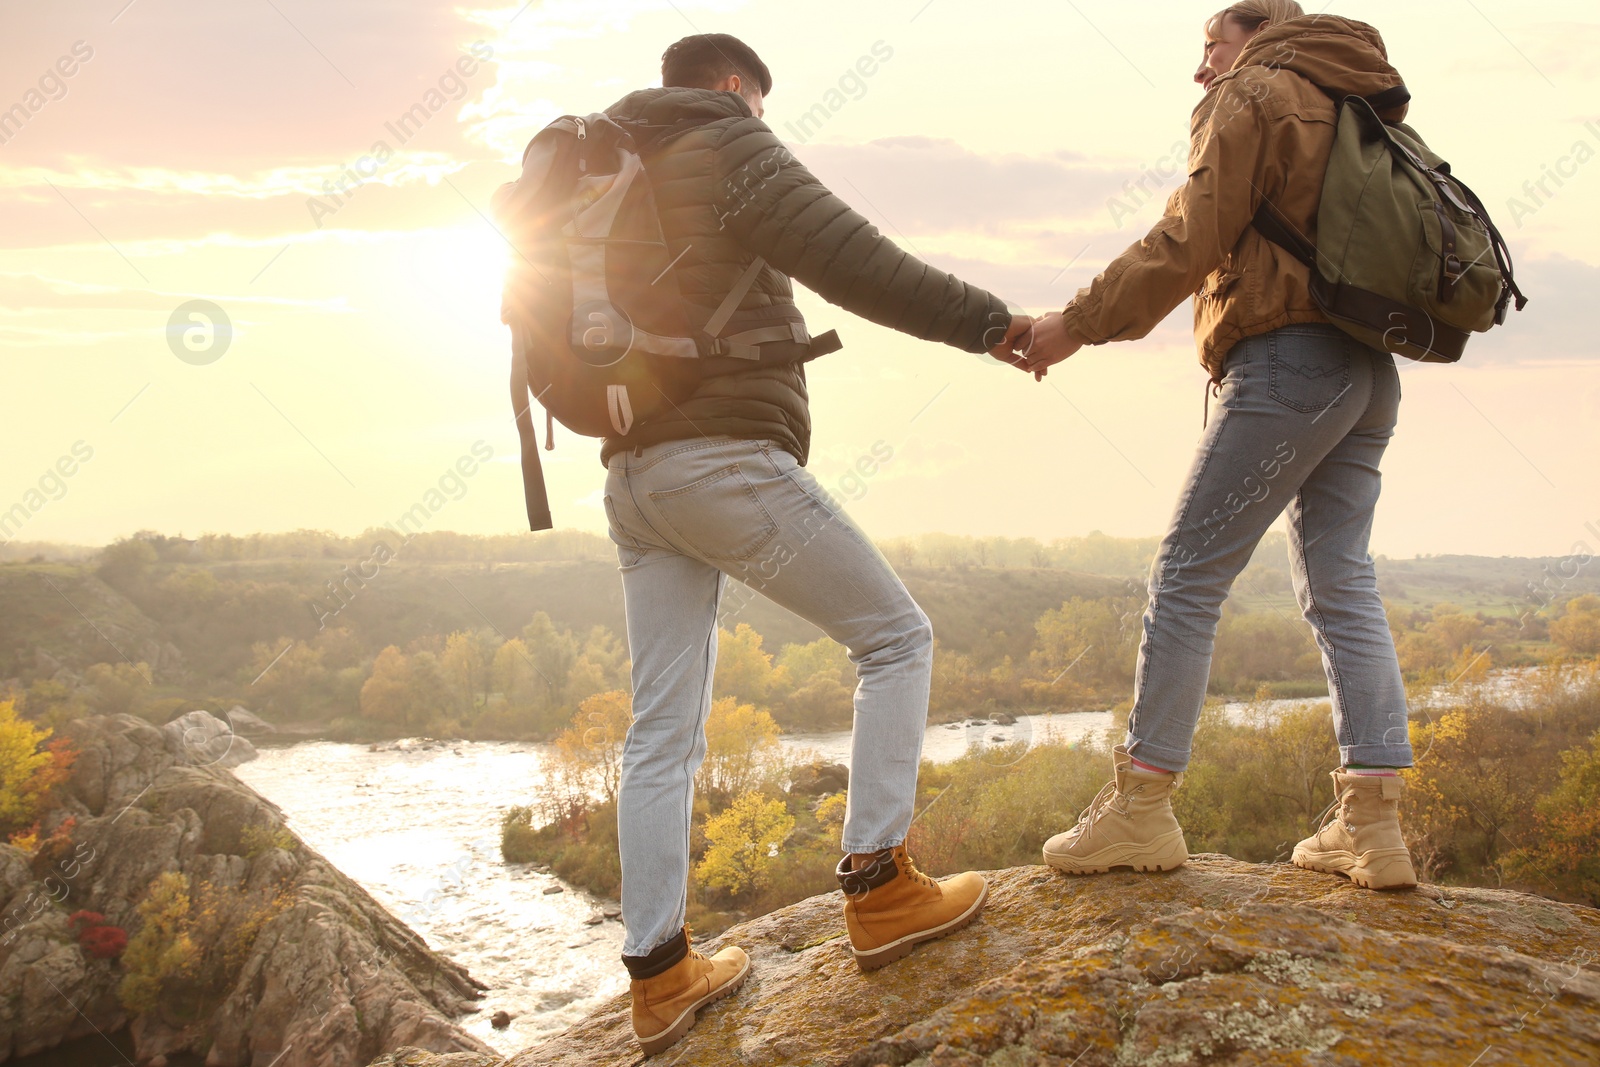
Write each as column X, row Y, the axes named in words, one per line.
column 288, row 961
column 1220, row 962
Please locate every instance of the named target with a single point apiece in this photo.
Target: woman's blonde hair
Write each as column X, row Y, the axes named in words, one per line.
column 1253, row 14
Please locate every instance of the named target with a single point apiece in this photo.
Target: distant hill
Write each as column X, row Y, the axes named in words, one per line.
column 196, row 617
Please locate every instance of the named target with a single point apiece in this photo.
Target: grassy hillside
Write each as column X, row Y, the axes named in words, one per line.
column 153, row 624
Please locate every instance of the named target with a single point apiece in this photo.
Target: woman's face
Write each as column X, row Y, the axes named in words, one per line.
column 1222, row 51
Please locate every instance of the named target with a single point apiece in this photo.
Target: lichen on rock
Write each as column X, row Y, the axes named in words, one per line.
column 1219, row 962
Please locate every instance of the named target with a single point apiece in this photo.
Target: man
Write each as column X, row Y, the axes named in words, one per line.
column 717, row 487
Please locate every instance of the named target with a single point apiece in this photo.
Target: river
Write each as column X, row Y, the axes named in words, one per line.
column 416, row 823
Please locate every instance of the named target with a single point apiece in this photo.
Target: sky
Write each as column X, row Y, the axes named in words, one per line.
column 159, row 153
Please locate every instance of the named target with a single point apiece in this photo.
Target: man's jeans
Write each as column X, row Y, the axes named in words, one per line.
column 1302, row 421
column 685, row 515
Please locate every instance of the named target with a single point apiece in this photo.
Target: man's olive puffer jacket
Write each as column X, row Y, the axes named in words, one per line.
column 727, row 190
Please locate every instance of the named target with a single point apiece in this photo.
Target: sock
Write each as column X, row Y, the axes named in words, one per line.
column 1143, row 766
column 1380, row 772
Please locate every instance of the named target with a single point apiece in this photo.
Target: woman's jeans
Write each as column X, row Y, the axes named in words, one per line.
column 1301, row 422
column 686, row 515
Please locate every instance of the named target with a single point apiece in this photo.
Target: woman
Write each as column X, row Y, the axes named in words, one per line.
column 1300, row 418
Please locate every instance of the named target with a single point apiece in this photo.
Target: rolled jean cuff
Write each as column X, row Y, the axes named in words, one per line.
column 1376, row 755
column 865, row 849
column 1168, row 759
column 660, row 959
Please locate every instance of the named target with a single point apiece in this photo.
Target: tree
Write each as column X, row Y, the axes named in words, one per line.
column 429, row 694
column 118, row 688
column 125, row 562
column 593, row 743
column 743, row 842
column 514, row 674
column 1086, row 643
column 466, row 664
column 743, row 669
column 29, row 770
column 1577, row 632
column 1567, row 854
column 824, row 684
column 741, row 743
column 384, row 695
column 552, row 653
column 288, row 677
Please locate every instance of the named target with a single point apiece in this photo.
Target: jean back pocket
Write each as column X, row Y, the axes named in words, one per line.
column 1308, row 368
column 719, row 516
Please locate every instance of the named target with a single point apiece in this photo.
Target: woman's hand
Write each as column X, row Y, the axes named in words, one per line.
column 1052, row 344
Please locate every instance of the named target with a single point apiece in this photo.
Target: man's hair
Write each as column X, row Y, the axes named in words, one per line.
column 701, row 61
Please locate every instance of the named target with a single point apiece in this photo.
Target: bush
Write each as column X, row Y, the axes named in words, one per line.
column 163, row 948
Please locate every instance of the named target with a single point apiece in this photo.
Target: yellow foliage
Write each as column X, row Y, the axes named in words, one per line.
column 21, row 761
column 830, row 813
column 741, row 746
column 590, row 750
column 742, row 843
column 163, row 946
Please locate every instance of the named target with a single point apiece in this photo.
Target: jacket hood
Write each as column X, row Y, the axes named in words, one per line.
column 1340, row 56
column 651, row 114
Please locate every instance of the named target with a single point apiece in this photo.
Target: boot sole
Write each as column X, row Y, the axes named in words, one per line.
column 873, row 959
column 1384, row 868
column 685, row 1020
column 1171, row 856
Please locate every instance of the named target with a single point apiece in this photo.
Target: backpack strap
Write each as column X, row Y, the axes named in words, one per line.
column 534, row 491
column 741, row 288
column 1275, row 228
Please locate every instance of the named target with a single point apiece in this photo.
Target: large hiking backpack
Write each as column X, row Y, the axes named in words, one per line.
column 600, row 335
column 1407, row 259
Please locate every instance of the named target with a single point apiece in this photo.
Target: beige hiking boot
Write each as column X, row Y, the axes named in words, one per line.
column 1360, row 834
column 1128, row 824
column 890, row 907
column 665, row 1003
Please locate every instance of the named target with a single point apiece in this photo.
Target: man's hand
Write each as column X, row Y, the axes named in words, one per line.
column 1051, row 344
column 1014, row 347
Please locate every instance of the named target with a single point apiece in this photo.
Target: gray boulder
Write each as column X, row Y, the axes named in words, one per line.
column 202, row 739
column 248, row 723
column 815, row 779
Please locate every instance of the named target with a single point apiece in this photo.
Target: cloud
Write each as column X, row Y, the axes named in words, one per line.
column 927, row 185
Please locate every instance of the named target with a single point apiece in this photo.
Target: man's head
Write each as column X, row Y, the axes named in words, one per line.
column 717, row 61
column 1229, row 30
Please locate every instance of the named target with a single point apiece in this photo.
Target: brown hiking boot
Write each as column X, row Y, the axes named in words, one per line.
column 890, row 907
column 673, row 983
column 1363, row 842
column 1128, row 824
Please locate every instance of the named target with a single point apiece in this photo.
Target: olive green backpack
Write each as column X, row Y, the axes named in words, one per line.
column 1407, row 259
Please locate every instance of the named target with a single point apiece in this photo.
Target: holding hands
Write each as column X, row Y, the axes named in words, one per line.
column 1036, row 345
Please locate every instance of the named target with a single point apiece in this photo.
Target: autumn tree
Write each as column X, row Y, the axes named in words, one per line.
column 742, row 843
column 162, row 948
column 1577, row 631
column 741, row 748
column 384, row 695
column 1565, row 849
column 466, row 664
column 593, row 743
column 744, row 670
column 31, row 766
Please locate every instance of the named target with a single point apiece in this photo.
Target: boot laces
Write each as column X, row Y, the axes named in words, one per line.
column 910, row 871
column 1336, row 810
column 1106, row 798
